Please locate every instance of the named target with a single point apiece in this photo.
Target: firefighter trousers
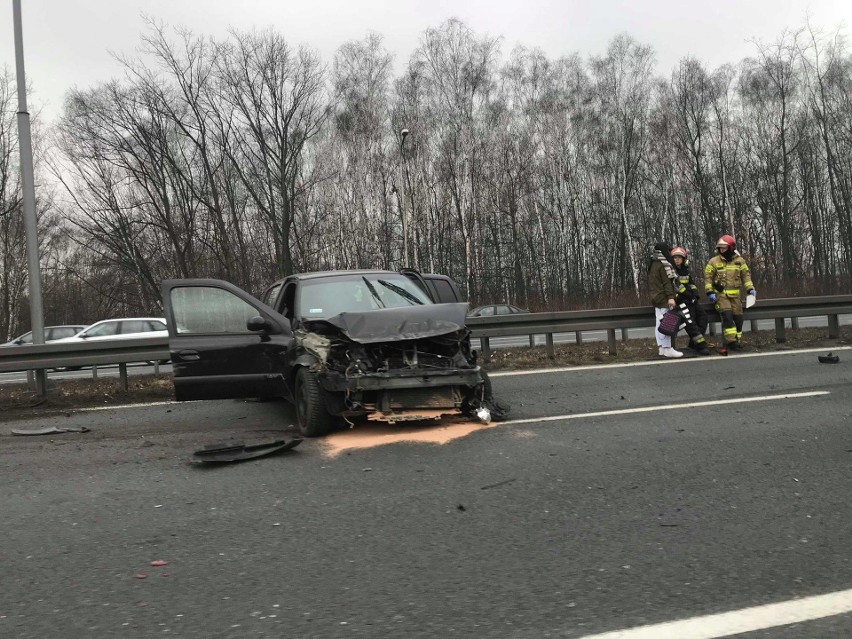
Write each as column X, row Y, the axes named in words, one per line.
column 731, row 313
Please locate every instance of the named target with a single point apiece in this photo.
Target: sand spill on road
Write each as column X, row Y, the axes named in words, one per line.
column 373, row 434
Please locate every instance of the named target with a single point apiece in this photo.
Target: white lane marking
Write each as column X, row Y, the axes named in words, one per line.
column 649, row 409
column 119, row 407
column 590, row 367
column 739, row 621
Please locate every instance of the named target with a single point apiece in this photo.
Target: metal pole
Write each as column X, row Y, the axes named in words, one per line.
column 28, row 184
column 403, row 133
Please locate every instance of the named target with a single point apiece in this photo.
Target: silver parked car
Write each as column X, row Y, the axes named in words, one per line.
column 51, row 334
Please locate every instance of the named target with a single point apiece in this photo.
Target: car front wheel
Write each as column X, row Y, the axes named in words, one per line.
column 312, row 418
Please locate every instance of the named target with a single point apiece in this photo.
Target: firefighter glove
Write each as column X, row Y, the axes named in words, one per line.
column 712, row 296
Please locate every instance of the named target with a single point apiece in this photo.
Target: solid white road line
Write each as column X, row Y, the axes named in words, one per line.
column 649, row 409
column 685, row 360
column 739, row 621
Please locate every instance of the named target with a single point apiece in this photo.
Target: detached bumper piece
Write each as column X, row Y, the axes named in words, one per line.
column 237, row 451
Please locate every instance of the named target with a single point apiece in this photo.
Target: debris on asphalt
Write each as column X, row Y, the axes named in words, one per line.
column 831, row 358
column 499, row 483
column 159, row 562
column 141, row 575
column 461, row 508
column 50, row 430
column 238, row 451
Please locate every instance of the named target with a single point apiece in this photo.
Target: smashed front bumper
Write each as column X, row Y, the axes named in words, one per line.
column 403, row 395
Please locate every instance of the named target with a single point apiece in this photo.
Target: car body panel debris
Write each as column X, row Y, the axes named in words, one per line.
column 50, row 430
column 233, row 452
column 831, row 358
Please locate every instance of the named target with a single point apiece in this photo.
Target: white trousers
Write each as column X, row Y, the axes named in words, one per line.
column 663, row 341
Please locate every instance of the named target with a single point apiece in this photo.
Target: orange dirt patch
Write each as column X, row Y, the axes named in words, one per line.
column 369, row 435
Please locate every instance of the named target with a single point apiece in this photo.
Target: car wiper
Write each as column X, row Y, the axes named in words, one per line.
column 373, row 291
column 400, row 291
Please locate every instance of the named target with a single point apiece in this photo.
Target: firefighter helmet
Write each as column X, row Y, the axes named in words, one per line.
column 679, row 251
column 725, row 241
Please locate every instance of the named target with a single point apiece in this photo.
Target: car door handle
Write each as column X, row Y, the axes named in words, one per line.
column 189, row 356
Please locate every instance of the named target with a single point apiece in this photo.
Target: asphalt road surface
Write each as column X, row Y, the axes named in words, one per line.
column 618, row 497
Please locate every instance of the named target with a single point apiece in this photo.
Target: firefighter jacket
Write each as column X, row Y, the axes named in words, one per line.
column 661, row 280
column 727, row 277
column 687, row 291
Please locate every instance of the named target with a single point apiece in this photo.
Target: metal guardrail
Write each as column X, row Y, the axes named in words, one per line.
column 643, row 316
column 143, row 349
column 122, row 352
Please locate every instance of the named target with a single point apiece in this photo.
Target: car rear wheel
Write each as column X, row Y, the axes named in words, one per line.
column 312, row 418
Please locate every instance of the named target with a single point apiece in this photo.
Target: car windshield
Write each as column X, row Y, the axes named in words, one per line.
column 326, row 297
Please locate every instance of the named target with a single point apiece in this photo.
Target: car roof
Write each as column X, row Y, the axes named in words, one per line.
column 318, row 274
column 121, row 319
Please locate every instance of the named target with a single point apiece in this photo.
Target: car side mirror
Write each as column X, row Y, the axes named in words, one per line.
column 84, row 336
column 257, row 324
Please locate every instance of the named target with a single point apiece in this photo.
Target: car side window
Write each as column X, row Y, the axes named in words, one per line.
column 59, row 333
column 155, row 326
column 271, row 294
column 487, row 311
column 445, row 291
column 107, row 328
column 207, row 309
column 134, row 326
column 502, row 309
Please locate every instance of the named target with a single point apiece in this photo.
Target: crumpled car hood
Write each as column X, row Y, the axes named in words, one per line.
column 398, row 324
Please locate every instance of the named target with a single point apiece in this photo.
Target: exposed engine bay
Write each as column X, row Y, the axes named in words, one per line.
column 394, row 365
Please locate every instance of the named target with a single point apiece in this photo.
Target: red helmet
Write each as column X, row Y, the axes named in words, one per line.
column 725, row 241
column 679, row 250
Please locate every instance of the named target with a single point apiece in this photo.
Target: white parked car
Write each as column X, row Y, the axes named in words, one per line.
column 120, row 328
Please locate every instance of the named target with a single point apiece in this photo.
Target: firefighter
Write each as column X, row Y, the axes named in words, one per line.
column 725, row 277
column 687, row 299
column 661, row 280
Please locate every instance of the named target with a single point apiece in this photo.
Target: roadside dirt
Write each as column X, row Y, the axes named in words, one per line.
column 18, row 402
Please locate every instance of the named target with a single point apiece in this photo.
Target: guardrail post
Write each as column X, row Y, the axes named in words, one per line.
column 485, row 344
column 794, row 323
column 94, row 372
column 122, row 375
column 30, row 380
column 711, row 328
column 753, row 326
column 549, row 345
column 610, row 335
column 624, row 336
column 532, row 341
column 833, row 327
column 157, row 367
column 579, row 337
column 780, row 335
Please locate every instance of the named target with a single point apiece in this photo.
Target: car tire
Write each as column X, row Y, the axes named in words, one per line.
column 312, row 419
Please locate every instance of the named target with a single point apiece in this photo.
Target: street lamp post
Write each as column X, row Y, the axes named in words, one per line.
column 403, row 134
column 25, row 149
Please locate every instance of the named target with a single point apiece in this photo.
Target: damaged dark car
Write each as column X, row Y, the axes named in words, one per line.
column 342, row 345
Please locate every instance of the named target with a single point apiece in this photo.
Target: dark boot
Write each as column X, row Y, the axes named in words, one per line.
column 735, row 346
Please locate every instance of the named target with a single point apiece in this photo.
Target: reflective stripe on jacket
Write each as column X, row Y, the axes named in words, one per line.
column 727, row 278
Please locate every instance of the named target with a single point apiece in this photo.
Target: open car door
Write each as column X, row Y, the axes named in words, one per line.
column 224, row 343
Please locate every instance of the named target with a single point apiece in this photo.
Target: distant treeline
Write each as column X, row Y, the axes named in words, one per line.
column 537, row 181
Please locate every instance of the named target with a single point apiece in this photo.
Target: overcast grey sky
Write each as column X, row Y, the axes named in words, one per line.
column 67, row 42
